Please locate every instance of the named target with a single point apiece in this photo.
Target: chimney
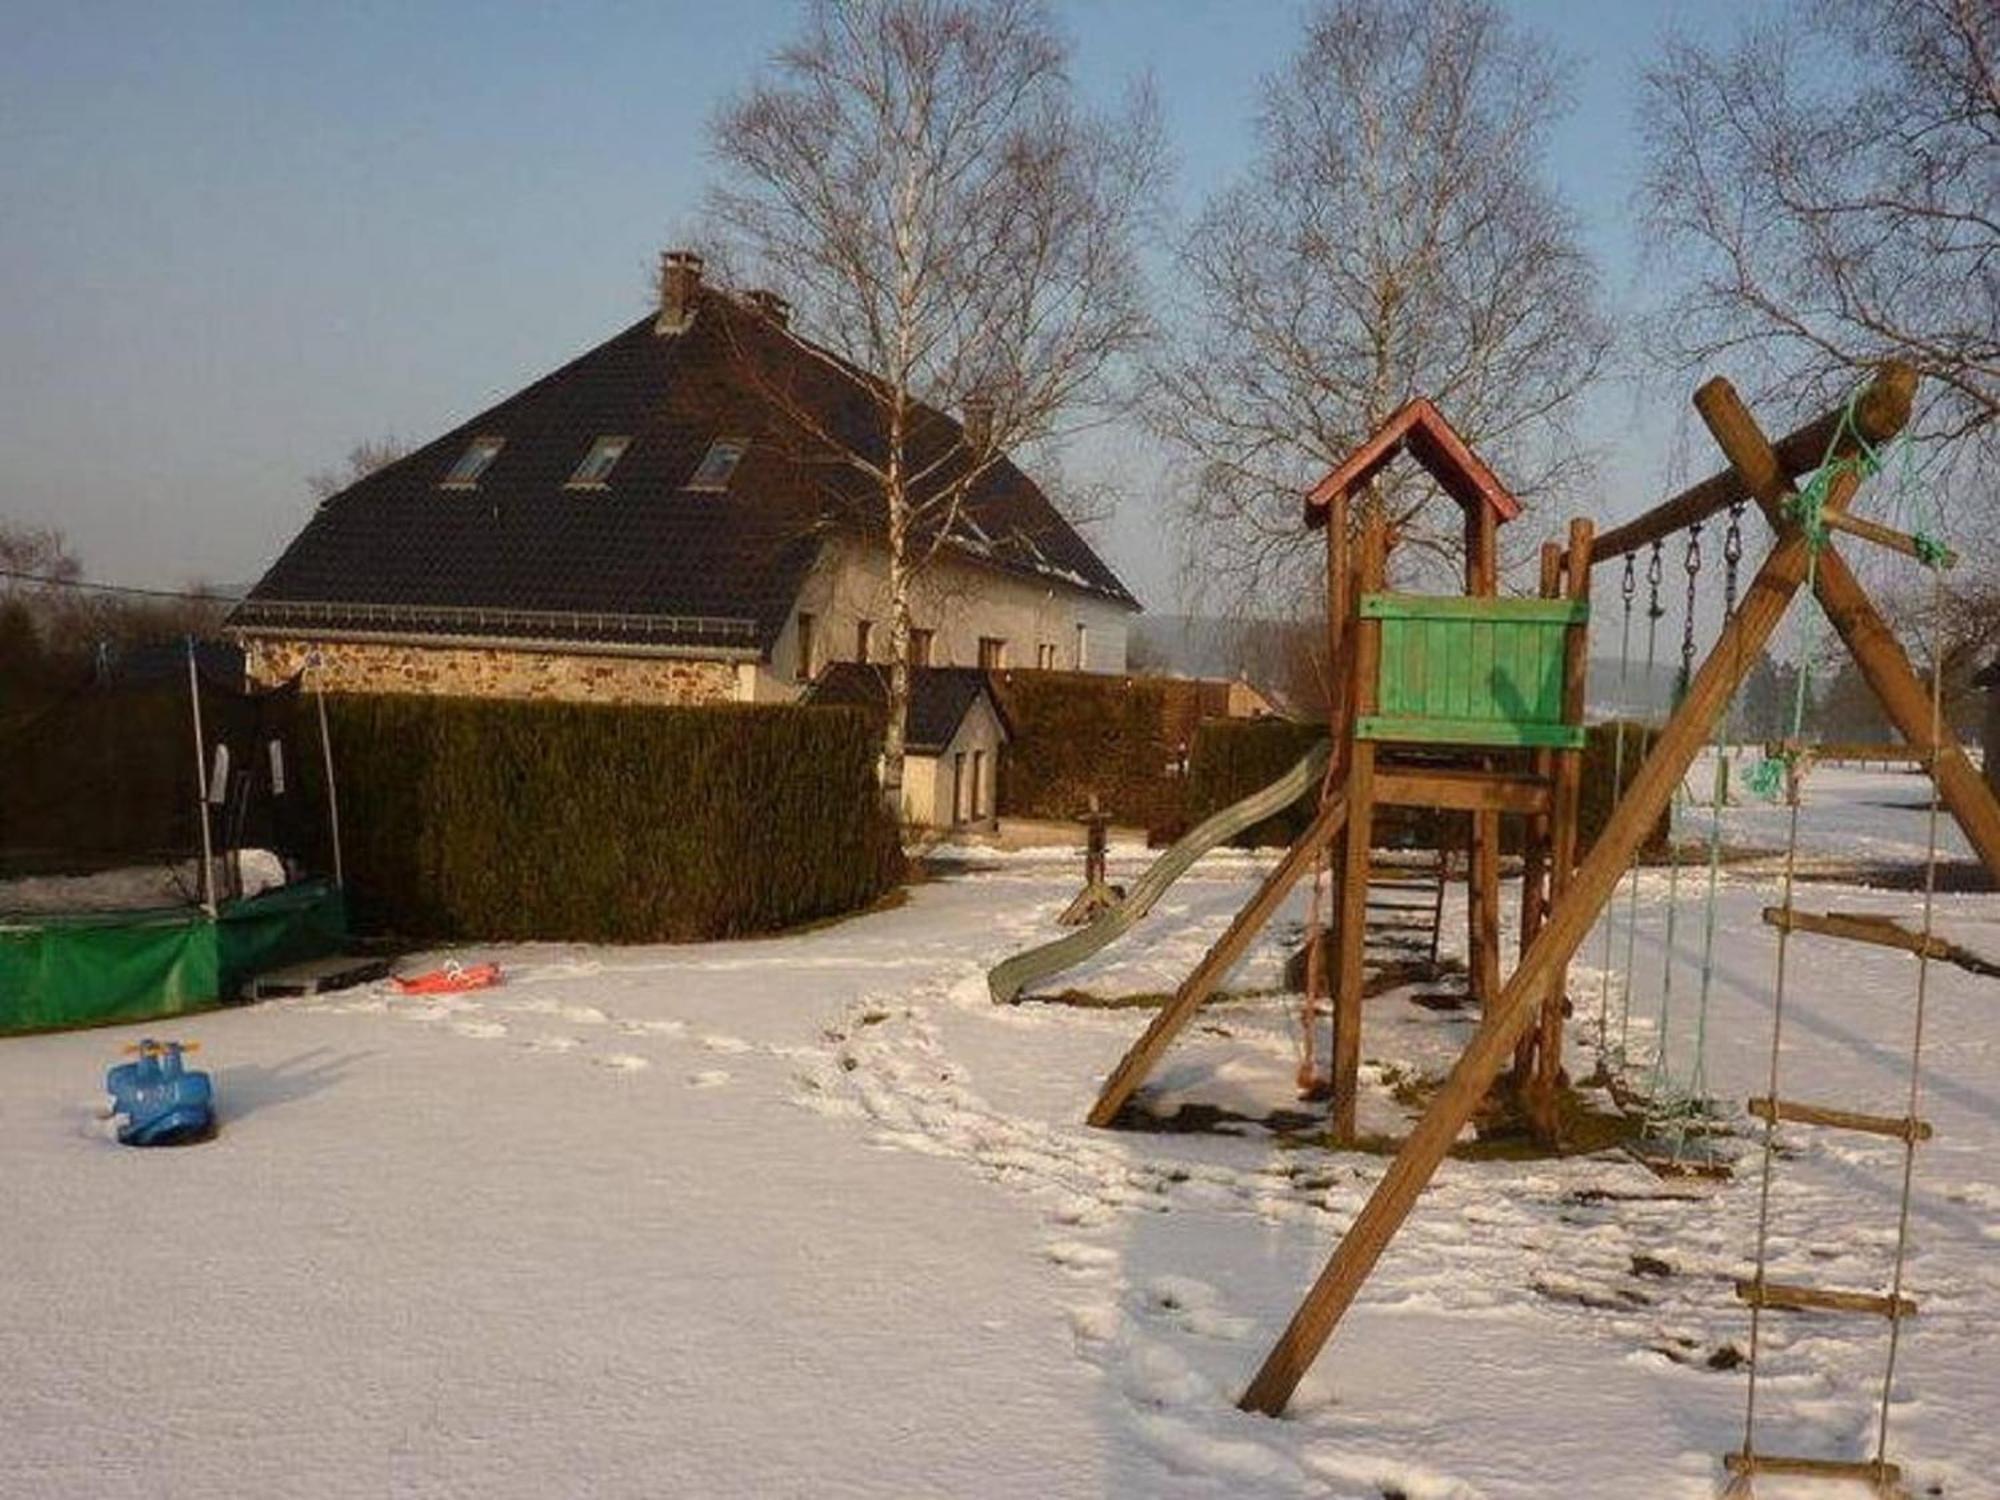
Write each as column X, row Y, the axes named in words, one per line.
column 680, row 282
column 976, row 423
column 771, row 305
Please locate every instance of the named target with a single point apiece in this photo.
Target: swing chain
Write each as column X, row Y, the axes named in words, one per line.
column 1654, row 574
column 1732, row 558
column 1692, row 564
column 1629, row 584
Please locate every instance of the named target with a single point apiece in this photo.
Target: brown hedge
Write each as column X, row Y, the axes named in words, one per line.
column 478, row 819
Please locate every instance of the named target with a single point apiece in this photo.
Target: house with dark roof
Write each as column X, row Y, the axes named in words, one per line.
column 661, row 520
column 954, row 734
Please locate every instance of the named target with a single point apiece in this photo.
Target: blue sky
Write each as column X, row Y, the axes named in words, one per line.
column 239, row 238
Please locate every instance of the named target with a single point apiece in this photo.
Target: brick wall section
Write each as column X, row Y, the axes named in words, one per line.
column 480, row 672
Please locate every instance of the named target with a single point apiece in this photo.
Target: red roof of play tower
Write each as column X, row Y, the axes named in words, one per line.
column 1421, row 429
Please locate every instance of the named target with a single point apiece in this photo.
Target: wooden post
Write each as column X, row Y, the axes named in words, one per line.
column 1351, row 942
column 1568, row 799
column 1482, row 874
column 1764, row 605
column 1536, row 851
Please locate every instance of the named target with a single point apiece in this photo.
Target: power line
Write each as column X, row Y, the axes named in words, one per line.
column 86, row 585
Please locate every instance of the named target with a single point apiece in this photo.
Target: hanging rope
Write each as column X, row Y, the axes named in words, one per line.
column 1655, row 575
column 1785, row 768
column 1659, row 1082
column 1628, row 588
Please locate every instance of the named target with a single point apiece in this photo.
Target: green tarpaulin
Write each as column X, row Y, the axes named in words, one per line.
column 88, row 969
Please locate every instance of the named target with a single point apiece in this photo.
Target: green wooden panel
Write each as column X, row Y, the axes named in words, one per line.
column 1458, row 607
column 1477, row 671
column 1496, row 732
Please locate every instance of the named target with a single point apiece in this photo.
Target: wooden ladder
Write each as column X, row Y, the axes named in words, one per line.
column 1405, row 910
column 1760, row 1293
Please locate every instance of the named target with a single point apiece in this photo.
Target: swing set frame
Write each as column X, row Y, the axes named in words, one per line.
column 1765, row 473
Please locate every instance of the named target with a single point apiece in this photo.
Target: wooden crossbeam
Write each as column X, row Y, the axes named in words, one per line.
column 1902, row 1127
column 1879, row 931
column 1886, row 536
column 1743, row 637
column 1462, row 790
column 1792, row 1298
column 1868, row 1470
column 1880, row 414
column 1144, row 1055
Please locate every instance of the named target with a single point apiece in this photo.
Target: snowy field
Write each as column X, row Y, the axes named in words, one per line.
column 810, row 1217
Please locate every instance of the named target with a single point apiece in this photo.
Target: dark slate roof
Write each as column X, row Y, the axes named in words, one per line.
column 643, row 560
column 940, row 698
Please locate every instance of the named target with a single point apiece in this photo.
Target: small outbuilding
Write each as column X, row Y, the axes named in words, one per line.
column 953, row 737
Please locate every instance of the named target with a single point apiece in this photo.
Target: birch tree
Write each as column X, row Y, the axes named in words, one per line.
column 919, row 179
column 1395, row 235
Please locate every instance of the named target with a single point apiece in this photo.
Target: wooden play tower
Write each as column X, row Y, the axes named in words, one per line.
column 1476, row 702
column 1470, row 702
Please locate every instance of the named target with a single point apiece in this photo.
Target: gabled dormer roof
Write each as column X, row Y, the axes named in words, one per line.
column 940, row 698
column 1419, row 429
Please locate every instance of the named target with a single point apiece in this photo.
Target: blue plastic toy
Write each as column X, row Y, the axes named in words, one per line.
column 157, row 1100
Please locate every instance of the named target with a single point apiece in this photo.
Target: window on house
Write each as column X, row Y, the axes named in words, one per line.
column 992, row 653
column 473, row 462
column 805, row 666
column 718, row 464
column 920, row 647
column 1082, row 647
column 1045, row 656
column 598, row 463
column 864, row 637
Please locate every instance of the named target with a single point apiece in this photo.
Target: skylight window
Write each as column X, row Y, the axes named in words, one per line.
column 598, row 463
column 718, row 464
column 473, row 462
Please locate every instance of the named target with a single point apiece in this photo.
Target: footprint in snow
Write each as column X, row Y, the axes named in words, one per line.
column 554, row 1044
column 1073, row 1255
column 483, row 1030
column 588, row 1015
column 714, row 1078
column 725, row 1044
column 623, row 1062
column 653, row 1028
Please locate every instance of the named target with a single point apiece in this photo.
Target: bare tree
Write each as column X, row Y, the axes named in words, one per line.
column 919, row 179
column 363, row 459
column 1394, row 236
column 1824, row 188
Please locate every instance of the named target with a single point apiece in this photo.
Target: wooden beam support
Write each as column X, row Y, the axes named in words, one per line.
column 1763, row 606
column 1351, row 924
column 1793, row 1298
column 1536, row 850
column 1886, row 536
column 1881, row 412
column 1462, row 790
column 1564, row 821
column 1869, row 1471
column 1144, row 1055
column 1900, row 1127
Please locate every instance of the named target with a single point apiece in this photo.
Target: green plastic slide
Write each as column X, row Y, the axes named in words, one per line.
column 1006, row 980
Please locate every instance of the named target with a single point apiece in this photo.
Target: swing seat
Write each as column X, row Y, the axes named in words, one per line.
column 1472, row 671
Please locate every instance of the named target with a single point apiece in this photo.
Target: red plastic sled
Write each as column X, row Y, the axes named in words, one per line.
column 452, row 978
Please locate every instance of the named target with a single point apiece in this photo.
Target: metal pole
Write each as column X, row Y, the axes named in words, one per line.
column 201, row 786
column 326, row 755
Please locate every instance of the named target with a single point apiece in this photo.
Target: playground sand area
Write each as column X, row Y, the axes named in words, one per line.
column 811, row 1215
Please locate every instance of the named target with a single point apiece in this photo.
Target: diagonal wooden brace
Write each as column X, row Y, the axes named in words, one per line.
column 1145, row 1054
column 1764, row 605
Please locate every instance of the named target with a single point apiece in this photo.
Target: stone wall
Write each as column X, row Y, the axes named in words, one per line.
column 481, row 672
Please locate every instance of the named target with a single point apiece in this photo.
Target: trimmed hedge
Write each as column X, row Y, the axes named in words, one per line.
column 1078, row 734
column 1234, row 757
column 488, row 819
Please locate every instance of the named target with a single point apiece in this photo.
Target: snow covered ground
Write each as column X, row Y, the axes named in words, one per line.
column 809, row 1216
